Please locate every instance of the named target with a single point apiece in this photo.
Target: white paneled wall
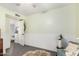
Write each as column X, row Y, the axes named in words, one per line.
column 46, row 41
column 43, row 28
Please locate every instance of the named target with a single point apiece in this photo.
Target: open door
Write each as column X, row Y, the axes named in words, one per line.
column 20, row 29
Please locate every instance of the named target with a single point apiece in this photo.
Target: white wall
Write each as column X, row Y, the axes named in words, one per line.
column 77, row 20
column 43, row 28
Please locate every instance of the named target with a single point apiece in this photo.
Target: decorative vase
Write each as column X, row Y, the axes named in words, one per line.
column 60, row 42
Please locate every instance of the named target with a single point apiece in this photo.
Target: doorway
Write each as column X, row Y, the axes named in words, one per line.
column 14, row 30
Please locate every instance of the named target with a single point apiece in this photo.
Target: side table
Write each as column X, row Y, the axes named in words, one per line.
column 60, row 52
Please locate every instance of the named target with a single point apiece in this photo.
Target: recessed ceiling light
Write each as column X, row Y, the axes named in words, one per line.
column 18, row 4
column 34, row 6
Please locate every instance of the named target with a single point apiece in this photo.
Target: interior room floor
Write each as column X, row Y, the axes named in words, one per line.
column 18, row 50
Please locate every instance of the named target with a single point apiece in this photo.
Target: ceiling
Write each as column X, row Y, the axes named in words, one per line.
column 31, row 8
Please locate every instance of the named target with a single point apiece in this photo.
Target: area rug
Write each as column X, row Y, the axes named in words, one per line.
column 37, row 53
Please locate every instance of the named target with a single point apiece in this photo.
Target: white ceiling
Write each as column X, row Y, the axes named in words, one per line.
column 31, row 8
